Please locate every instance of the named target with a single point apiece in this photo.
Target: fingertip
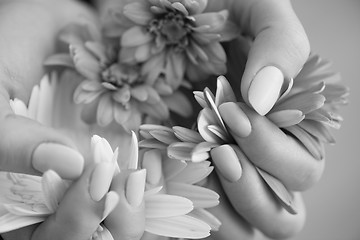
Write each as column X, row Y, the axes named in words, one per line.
column 279, row 40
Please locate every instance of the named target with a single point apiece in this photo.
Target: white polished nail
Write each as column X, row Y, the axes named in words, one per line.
column 111, row 200
column 235, row 119
column 135, row 187
column 265, row 89
column 152, row 162
column 227, row 162
column 65, row 161
column 101, row 179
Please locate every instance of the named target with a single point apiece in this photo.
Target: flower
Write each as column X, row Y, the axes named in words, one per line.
column 308, row 108
column 173, row 38
column 109, row 89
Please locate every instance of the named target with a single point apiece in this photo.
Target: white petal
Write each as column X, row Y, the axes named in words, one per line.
column 200, row 196
column 207, row 217
column 164, row 205
column 9, row 222
column 224, row 92
column 312, row 145
column 178, row 227
column 187, row 135
column 135, row 36
column 54, row 188
column 193, row 173
column 207, row 117
column 279, row 190
column 286, row 118
column 164, row 136
column 180, row 150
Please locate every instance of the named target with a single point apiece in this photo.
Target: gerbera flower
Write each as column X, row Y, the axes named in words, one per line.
column 174, row 37
column 111, row 90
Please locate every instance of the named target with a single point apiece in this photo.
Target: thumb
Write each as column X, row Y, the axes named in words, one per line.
column 29, row 147
column 279, row 50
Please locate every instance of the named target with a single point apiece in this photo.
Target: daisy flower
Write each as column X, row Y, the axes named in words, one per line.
column 174, row 37
column 111, row 90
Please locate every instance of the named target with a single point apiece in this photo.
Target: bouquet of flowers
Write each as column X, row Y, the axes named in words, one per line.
column 122, row 90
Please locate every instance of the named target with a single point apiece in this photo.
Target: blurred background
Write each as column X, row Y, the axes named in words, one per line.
column 333, row 205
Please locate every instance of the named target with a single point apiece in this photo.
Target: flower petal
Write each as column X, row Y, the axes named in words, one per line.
column 187, row 135
column 9, row 222
column 193, row 173
column 180, row 150
column 105, row 111
column 207, row 217
column 207, row 117
column 135, row 36
column 60, row 59
column 178, row 227
column 311, row 144
column 138, row 12
column 224, row 92
column 164, row 206
column 305, row 102
column 286, row 118
column 279, row 190
column 54, row 189
column 200, row 196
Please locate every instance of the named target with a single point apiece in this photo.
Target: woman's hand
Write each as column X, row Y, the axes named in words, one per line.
column 280, row 48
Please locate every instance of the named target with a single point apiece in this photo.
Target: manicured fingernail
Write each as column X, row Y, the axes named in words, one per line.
column 152, row 164
column 227, row 162
column 111, row 200
column 235, row 119
column 65, row 161
column 265, row 89
column 101, row 179
column 135, row 187
column 134, row 152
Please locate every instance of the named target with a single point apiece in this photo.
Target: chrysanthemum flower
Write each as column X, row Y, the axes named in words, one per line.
column 109, row 89
column 175, row 38
column 308, row 109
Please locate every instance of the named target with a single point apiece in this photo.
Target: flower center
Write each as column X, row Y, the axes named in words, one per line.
column 119, row 75
column 171, row 28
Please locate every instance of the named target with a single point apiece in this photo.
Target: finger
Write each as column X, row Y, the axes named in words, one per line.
column 279, row 50
column 32, row 148
column 271, row 149
column 127, row 221
column 253, row 200
column 233, row 226
column 84, row 206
